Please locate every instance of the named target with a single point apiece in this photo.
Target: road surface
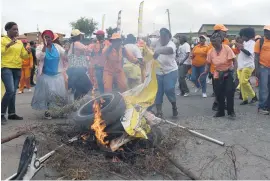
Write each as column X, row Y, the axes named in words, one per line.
column 247, row 138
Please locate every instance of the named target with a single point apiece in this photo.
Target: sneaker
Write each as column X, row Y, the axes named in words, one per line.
column 47, row 115
column 263, row 111
column 253, row 100
column 232, row 116
column 15, row 117
column 186, row 94
column 175, row 112
column 3, row 120
column 29, row 90
column 20, row 92
column 244, row 102
column 204, row 95
column 196, row 90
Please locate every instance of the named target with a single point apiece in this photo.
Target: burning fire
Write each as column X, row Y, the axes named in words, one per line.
column 99, row 125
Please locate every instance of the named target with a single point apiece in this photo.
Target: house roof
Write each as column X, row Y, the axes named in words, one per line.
column 22, row 37
column 228, row 25
column 41, row 32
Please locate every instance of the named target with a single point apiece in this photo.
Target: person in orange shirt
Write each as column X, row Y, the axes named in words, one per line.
column 26, row 71
column 262, row 62
column 199, row 55
column 113, row 68
column 222, row 57
column 223, row 31
column 98, row 59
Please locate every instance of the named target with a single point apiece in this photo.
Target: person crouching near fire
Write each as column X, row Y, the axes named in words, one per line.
column 222, row 57
column 167, row 73
column 113, row 68
column 27, row 65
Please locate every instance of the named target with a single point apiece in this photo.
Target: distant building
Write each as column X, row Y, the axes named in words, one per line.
column 233, row 31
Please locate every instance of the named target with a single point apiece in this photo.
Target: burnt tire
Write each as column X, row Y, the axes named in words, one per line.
column 112, row 110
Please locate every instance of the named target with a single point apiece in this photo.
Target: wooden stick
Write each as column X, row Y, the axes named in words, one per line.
column 179, row 166
column 16, row 135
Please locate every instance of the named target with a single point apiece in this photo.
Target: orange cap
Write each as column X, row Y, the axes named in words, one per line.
column 115, row 36
column 220, row 27
column 266, row 27
column 55, row 36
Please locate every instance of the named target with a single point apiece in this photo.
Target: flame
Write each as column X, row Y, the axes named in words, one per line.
column 99, row 125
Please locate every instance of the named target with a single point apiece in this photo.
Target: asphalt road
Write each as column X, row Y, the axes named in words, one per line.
column 247, row 139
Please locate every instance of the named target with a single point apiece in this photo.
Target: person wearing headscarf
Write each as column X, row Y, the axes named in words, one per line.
column 98, row 59
column 27, row 65
column 246, row 64
column 132, row 71
column 78, row 64
column 167, row 72
column 113, row 68
column 199, row 55
column 50, row 89
column 222, row 57
column 223, row 32
column 12, row 53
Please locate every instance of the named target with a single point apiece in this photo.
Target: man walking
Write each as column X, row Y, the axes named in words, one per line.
column 33, row 50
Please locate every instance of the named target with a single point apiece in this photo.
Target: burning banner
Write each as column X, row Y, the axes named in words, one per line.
column 139, row 99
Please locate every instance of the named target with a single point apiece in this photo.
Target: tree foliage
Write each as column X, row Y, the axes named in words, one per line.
column 85, row 25
column 110, row 31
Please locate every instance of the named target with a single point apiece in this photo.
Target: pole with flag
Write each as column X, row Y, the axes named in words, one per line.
column 103, row 21
column 140, row 19
column 119, row 22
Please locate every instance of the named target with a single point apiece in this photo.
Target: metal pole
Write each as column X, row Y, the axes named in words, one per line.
column 196, row 133
column 169, row 20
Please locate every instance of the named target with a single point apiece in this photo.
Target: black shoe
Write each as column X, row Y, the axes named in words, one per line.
column 33, row 85
column 215, row 106
column 232, row 115
column 47, row 115
column 159, row 115
column 3, row 120
column 218, row 115
column 254, row 99
column 175, row 112
column 244, row 102
column 15, row 117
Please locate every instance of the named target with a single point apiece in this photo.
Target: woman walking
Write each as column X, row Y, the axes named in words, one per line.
column 12, row 53
column 246, row 64
column 199, row 55
column 167, row 73
column 222, row 57
column 50, row 89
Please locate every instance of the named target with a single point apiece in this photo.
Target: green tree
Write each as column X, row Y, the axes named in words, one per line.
column 85, row 25
column 110, row 31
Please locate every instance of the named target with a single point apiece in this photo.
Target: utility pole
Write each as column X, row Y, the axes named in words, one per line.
column 169, row 19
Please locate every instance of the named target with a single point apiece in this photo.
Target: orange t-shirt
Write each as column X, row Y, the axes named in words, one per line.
column 114, row 59
column 225, row 42
column 98, row 57
column 264, row 52
column 199, row 53
column 222, row 60
column 28, row 63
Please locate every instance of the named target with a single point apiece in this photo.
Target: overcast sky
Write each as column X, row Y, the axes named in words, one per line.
column 186, row 15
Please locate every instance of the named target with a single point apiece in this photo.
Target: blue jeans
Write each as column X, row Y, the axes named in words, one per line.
column 99, row 76
column 166, row 84
column 196, row 72
column 11, row 78
column 264, row 88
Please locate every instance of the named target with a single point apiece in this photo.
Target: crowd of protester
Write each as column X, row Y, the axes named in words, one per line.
column 116, row 64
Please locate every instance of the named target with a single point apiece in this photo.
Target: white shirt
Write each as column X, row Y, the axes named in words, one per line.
column 245, row 61
column 183, row 50
column 167, row 62
column 134, row 49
